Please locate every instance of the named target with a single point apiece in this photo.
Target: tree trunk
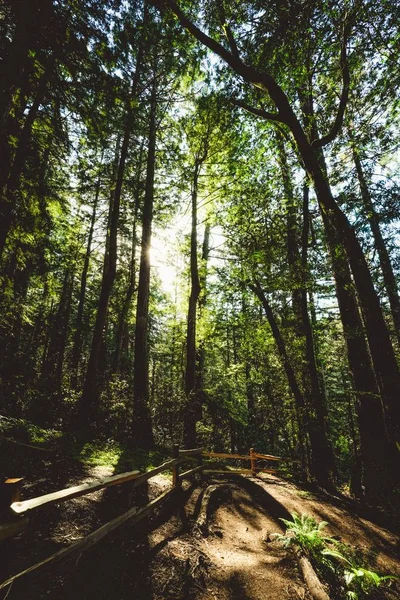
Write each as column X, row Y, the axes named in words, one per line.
column 122, row 330
column 323, row 461
column 52, row 368
column 77, row 344
column 141, row 425
column 384, row 258
column 191, row 409
column 90, row 397
column 290, row 374
column 375, row 450
column 201, row 353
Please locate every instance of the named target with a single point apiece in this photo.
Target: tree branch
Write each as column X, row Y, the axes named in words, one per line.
column 337, row 125
column 259, row 112
column 259, row 79
column 227, row 31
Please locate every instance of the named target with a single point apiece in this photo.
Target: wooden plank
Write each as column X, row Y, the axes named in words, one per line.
column 73, row 492
column 191, row 452
column 133, row 515
column 239, row 471
column 229, row 471
column 13, row 527
column 222, row 455
column 175, row 468
column 253, row 460
column 267, row 456
column 149, row 474
column 191, row 472
column 10, row 491
column 271, row 457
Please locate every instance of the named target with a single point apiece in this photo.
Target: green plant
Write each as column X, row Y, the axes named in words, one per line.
column 359, row 581
column 304, row 531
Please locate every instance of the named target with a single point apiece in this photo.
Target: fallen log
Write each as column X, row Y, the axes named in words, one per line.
column 314, row 585
column 201, row 526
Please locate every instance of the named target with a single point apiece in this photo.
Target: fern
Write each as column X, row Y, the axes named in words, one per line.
column 354, row 581
column 304, row 531
column 359, row 581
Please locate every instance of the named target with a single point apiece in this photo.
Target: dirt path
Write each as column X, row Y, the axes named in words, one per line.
column 244, row 564
column 167, row 559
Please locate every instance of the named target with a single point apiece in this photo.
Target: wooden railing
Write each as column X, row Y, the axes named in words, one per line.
column 133, row 515
column 18, row 509
column 253, row 458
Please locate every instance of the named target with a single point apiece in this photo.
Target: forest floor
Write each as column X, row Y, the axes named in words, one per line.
column 169, row 557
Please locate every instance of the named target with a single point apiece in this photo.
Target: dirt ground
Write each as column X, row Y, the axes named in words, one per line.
column 168, row 558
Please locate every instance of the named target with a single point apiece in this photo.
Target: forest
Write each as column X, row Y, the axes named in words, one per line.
column 199, row 232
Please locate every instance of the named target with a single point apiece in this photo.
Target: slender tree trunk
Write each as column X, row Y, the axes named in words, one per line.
column 384, row 258
column 201, row 353
column 90, row 396
column 77, row 344
column 191, row 409
column 323, row 462
column 53, row 365
column 122, row 331
column 141, row 425
column 290, row 374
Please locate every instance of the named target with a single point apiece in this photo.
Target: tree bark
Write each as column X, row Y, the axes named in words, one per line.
column 89, row 403
column 300, row 403
column 323, row 461
column 191, row 409
column 122, row 331
column 77, row 343
column 375, row 448
column 142, row 433
column 384, row 258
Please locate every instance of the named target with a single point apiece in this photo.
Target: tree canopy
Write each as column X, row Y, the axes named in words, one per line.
column 199, row 227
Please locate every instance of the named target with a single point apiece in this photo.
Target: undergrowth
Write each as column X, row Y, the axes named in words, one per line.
column 99, row 452
column 341, row 566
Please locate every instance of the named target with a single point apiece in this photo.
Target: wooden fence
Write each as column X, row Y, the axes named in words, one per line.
column 17, row 510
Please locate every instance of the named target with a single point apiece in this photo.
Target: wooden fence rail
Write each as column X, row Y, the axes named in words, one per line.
column 132, row 515
column 72, row 492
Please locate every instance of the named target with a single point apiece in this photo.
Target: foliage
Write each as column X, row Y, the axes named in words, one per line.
column 360, row 582
column 304, row 531
column 339, row 564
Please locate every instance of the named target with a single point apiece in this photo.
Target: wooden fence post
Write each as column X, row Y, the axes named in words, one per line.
column 253, row 460
column 10, row 491
column 175, row 468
